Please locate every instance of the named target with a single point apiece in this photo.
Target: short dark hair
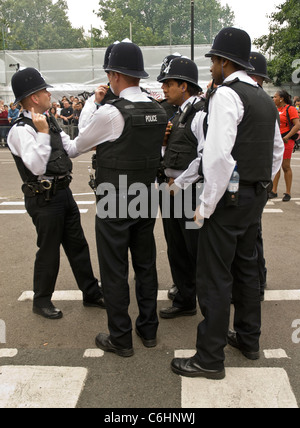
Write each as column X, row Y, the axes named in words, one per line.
column 192, row 89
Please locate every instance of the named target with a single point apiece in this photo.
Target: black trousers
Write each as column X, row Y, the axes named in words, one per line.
column 227, row 266
column 182, row 250
column 114, row 239
column 58, row 223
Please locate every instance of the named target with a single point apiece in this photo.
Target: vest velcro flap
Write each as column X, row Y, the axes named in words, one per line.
column 148, row 119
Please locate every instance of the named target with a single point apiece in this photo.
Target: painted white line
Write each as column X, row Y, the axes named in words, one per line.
column 275, row 354
column 242, row 388
column 12, row 211
column 40, row 387
column 85, row 202
column 282, row 295
column 8, row 353
column 83, row 211
column 12, row 204
column 76, row 295
column 93, row 353
column 64, row 295
column 272, row 211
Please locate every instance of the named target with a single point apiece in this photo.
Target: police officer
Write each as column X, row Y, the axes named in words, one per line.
column 227, row 260
column 128, row 134
column 181, row 88
column 42, row 154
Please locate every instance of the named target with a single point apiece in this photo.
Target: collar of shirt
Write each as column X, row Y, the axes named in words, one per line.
column 190, row 100
column 242, row 76
column 135, row 94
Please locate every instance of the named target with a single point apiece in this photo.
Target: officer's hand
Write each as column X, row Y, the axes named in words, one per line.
column 40, row 122
column 100, row 93
column 172, row 188
column 198, row 219
column 167, row 133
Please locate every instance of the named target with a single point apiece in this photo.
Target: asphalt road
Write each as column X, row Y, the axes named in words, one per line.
column 53, row 363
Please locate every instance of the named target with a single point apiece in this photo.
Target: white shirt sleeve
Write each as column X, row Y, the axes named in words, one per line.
column 191, row 175
column 226, row 112
column 106, row 124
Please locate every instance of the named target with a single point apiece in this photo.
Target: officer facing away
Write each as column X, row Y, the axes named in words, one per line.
column 243, row 134
column 42, row 154
column 128, row 134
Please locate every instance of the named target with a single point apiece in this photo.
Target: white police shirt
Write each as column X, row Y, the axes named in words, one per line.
column 226, row 111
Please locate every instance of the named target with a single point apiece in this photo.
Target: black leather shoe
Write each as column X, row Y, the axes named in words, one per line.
column 189, row 367
column 174, row 312
column 50, row 312
column 172, row 292
column 148, row 343
column 103, row 342
column 99, row 303
column 232, row 341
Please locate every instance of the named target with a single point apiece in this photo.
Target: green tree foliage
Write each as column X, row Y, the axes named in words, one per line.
column 154, row 21
column 38, row 24
column 283, row 42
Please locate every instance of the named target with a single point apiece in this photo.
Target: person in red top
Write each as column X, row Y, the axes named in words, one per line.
column 289, row 126
column 4, row 123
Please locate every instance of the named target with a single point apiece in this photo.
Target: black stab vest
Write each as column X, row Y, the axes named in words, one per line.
column 254, row 145
column 59, row 163
column 182, row 144
column 136, row 154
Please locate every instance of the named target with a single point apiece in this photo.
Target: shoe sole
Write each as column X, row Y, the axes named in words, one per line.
column 126, row 353
column 181, row 314
column 212, row 376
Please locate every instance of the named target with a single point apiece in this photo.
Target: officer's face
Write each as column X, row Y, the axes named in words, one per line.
column 216, row 69
column 174, row 92
column 44, row 99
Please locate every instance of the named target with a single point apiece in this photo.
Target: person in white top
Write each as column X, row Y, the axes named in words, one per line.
column 243, row 136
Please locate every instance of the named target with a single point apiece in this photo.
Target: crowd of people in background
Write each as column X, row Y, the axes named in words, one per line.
column 66, row 111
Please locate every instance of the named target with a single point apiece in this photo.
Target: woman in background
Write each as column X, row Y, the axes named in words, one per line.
column 289, row 126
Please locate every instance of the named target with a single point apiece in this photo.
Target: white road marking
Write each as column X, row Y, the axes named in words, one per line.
column 241, row 388
column 12, row 211
column 40, row 387
column 93, row 353
column 272, row 211
column 281, row 295
column 8, row 353
column 275, row 354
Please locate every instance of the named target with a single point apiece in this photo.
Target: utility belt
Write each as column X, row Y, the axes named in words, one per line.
column 48, row 188
column 259, row 186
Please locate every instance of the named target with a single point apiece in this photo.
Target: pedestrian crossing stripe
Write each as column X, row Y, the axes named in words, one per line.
column 76, row 295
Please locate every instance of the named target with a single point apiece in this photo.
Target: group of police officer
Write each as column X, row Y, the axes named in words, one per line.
column 190, row 141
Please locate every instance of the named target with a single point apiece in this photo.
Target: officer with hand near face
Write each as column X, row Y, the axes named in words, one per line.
column 42, row 154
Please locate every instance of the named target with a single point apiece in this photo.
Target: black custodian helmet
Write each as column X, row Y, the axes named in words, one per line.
column 182, row 69
column 26, row 82
column 127, row 58
column 259, row 63
column 233, row 44
column 165, row 64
